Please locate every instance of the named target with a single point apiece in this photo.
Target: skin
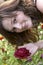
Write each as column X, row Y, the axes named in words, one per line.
column 39, row 5
column 19, row 22
column 33, row 47
column 23, row 22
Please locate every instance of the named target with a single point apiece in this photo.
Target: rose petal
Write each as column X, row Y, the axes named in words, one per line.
column 22, row 53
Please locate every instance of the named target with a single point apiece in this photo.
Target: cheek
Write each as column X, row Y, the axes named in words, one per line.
column 7, row 25
column 39, row 5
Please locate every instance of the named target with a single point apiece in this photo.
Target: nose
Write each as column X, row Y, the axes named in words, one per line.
column 17, row 26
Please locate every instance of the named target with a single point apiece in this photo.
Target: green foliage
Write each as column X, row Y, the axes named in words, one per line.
column 40, row 32
column 7, row 55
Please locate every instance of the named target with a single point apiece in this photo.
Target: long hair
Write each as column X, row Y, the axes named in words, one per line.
column 30, row 35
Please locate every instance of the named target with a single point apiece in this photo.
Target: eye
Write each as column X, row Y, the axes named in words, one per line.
column 5, row 0
column 14, row 20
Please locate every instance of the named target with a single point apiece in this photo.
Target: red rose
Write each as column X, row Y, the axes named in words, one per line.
column 22, row 53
